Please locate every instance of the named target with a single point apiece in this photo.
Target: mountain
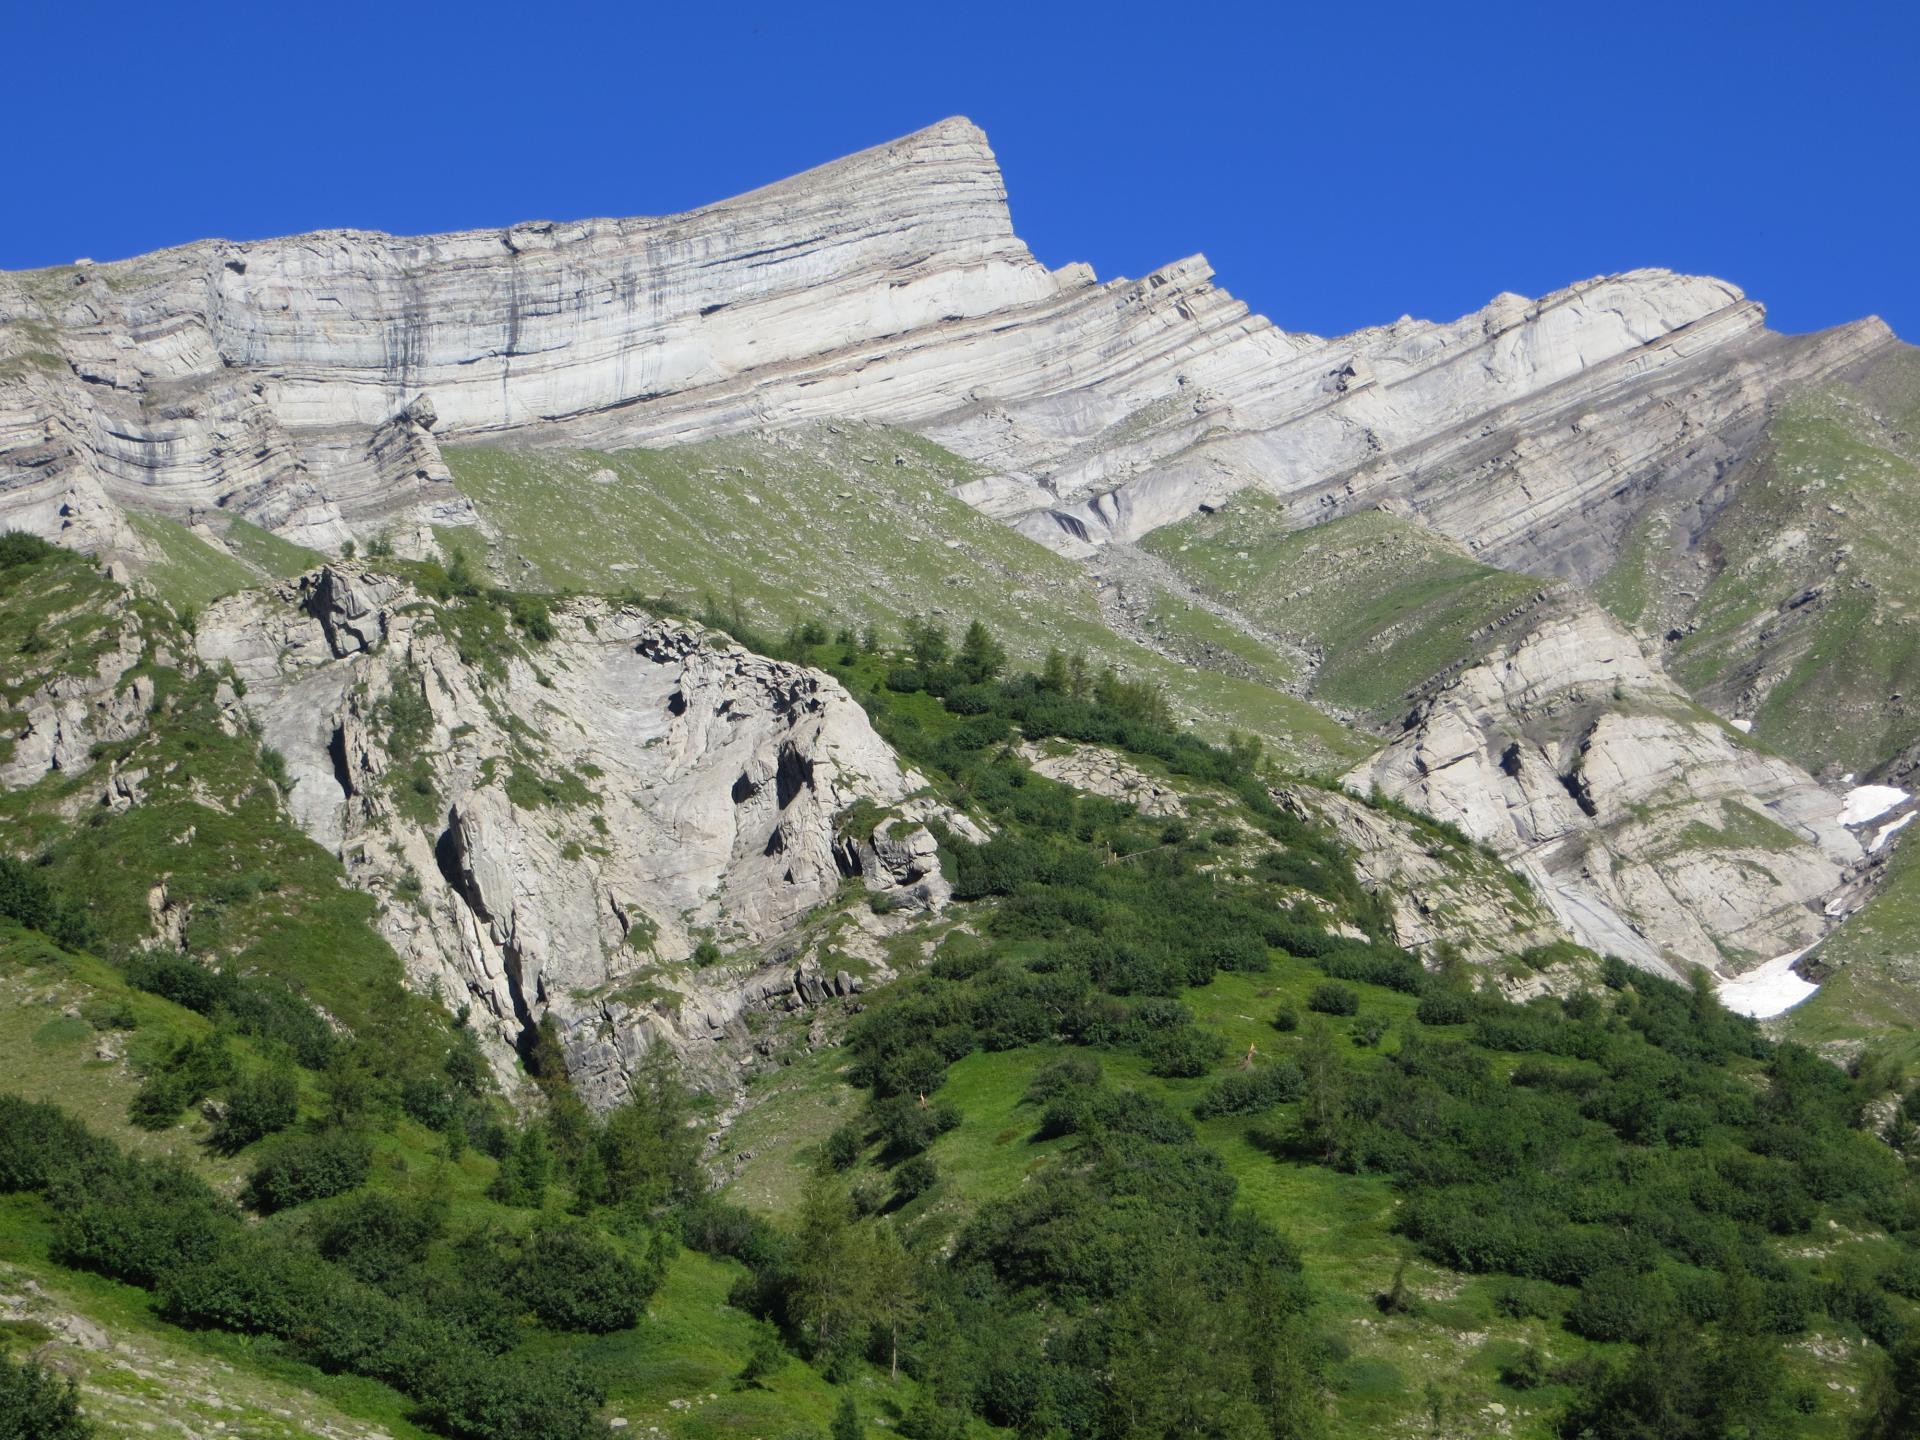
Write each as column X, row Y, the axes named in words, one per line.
column 1623, row 438
column 811, row 643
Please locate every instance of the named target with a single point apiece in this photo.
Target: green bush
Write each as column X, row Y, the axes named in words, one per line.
column 258, row 1105
column 915, row 1178
column 1445, row 1005
column 571, row 1278
column 842, row 1148
column 1183, row 1052
column 311, row 1166
column 375, row 1236
column 17, row 547
column 1333, row 999
column 1248, row 1092
column 35, row 1405
column 1618, row 1304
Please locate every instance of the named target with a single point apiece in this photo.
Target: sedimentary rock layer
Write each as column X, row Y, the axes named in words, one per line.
column 303, row 382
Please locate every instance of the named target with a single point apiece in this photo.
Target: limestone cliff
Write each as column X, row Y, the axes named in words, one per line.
column 1658, row 833
column 307, row 382
column 614, row 828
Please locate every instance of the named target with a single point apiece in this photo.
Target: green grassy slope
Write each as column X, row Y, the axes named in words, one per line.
column 1869, row 972
column 59, row 1011
column 850, row 523
column 1389, row 603
column 186, row 572
column 1820, row 508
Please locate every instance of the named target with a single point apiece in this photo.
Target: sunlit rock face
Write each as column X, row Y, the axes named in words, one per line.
column 561, row 832
column 308, row 382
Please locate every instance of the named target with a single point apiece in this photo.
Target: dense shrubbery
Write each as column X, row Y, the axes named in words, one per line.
column 315, row 1165
column 1252, row 1091
column 264, row 1009
column 155, row 1225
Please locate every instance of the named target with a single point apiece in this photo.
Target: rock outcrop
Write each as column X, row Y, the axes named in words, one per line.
column 614, row 828
column 1655, row 832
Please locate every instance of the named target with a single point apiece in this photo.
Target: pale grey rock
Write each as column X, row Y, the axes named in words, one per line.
column 1100, row 771
column 713, row 777
column 1653, row 829
column 55, row 726
column 307, row 383
column 1435, row 893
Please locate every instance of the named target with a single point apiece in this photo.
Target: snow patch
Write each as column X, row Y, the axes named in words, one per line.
column 1887, row 831
column 1869, row 802
column 1745, row 727
column 1769, row 990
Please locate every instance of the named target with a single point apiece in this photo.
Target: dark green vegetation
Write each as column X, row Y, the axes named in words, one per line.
column 1639, row 1176
column 1111, row 1164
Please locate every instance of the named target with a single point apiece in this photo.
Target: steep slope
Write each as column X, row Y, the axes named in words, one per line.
column 312, row 385
column 1521, row 712
column 1802, row 584
column 848, row 524
column 307, row 382
column 576, row 827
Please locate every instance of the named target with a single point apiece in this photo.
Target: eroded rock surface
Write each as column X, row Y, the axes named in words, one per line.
column 1657, row 834
column 614, row 827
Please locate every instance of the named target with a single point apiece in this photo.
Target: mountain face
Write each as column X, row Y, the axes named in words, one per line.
column 1639, row 515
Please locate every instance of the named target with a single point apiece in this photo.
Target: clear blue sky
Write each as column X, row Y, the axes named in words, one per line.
column 1339, row 163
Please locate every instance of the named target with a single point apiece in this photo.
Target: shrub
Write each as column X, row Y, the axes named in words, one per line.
column 1445, row 1005
column 915, row 1178
column 1250, row 1091
column 375, row 1236
column 1617, row 1304
column 1183, row 1052
column 1526, row 1371
column 308, row 1167
column 1333, row 999
column 138, row 1220
column 842, row 1148
column 258, row 1105
column 1286, row 1019
column 35, row 1405
column 192, row 1071
column 1526, row 1300
column 17, row 547
column 573, row 1279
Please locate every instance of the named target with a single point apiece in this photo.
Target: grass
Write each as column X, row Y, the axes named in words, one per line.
column 1870, row 973
column 674, row 1371
column 850, row 523
column 1387, row 602
column 186, row 572
column 1825, row 505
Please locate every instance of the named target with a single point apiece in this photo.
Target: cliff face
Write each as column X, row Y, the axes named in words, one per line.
column 615, row 829
column 306, row 382
column 1656, row 832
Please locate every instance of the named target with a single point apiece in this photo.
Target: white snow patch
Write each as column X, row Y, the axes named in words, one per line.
column 1768, row 990
column 1869, row 802
column 1887, row 831
column 1745, row 727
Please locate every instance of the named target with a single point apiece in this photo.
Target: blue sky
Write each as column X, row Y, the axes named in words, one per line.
column 1339, row 164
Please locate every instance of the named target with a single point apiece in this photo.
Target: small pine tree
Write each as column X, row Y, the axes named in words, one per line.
column 846, row 1421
